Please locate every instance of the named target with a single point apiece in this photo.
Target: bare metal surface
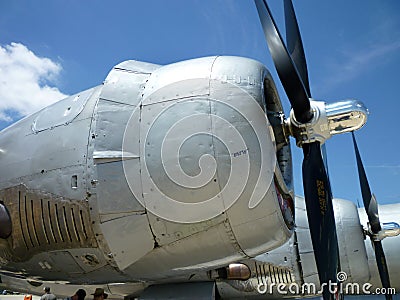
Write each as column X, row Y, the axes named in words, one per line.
column 391, row 246
column 328, row 120
column 192, row 76
column 345, row 116
column 107, row 182
column 122, row 219
column 390, row 229
column 353, row 256
column 42, row 221
column 34, row 158
column 61, row 113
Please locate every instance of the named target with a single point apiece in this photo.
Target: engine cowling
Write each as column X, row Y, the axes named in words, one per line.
column 159, row 172
column 353, row 255
column 201, row 147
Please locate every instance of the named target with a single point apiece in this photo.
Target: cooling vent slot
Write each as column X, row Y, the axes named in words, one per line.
column 42, row 221
column 272, row 274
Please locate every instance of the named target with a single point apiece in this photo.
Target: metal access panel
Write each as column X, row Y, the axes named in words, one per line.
column 62, row 112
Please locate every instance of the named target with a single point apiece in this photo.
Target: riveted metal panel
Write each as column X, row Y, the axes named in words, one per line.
column 135, row 66
column 114, row 195
column 247, row 73
column 124, row 87
column 284, row 256
column 179, row 80
column 255, row 205
column 157, row 121
column 196, row 253
column 72, row 265
column 306, row 250
column 129, row 238
column 126, row 81
column 353, row 255
column 62, row 112
column 34, row 159
column 168, row 176
column 43, row 155
column 111, row 121
column 131, row 158
column 166, row 232
column 161, row 173
column 178, row 90
column 121, row 218
column 88, row 259
column 57, row 182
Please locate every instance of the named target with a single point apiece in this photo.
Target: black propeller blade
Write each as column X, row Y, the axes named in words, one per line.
column 370, row 204
column 320, row 215
column 382, row 267
column 292, row 71
column 371, row 207
column 284, row 65
column 295, row 44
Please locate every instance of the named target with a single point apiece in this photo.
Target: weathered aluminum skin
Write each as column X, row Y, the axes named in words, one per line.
column 121, row 219
column 293, row 264
column 43, row 183
column 45, row 154
column 80, row 191
column 391, row 246
column 238, row 233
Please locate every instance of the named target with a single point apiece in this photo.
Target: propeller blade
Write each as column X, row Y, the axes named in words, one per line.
column 292, row 71
column 318, row 197
column 295, row 47
column 325, row 159
column 295, row 44
column 382, row 267
column 371, row 207
column 370, row 203
column 286, row 69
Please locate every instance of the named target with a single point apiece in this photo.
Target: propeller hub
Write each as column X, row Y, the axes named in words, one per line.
column 314, row 130
column 328, row 119
column 390, row 229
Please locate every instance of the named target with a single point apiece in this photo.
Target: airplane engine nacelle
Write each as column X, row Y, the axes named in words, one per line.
column 353, row 255
column 352, row 250
column 388, row 214
column 160, row 171
column 199, row 154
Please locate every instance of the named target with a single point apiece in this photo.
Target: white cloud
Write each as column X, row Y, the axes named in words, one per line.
column 24, row 81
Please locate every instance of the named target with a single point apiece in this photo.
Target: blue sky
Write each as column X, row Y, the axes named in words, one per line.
column 352, row 49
